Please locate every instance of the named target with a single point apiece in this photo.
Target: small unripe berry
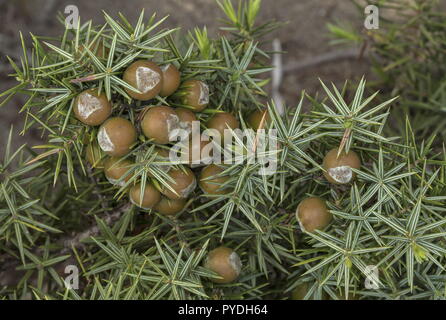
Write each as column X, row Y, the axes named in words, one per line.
column 221, row 122
column 211, row 184
column 150, row 196
column 145, row 76
column 92, row 108
column 170, row 207
column 184, row 183
column 116, row 136
column 312, row 214
column 196, row 95
column 171, row 80
column 225, row 262
column 115, row 168
column 338, row 170
column 159, row 123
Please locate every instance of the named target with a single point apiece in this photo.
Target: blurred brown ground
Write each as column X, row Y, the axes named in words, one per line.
column 304, row 36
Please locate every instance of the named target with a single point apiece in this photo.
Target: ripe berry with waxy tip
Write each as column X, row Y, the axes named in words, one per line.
column 312, row 214
column 225, row 262
column 171, row 80
column 210, row 183
column 116, row 136
column 338, row 169
column 183, row 184
column 91, row 107
column 159, row 124
column 150, row 196
column 115, row 168
column 196, row 95
column 145, row 76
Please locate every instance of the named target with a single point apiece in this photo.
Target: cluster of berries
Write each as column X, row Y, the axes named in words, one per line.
column 117, row 136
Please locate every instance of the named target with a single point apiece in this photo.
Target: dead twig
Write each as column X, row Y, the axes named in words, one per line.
column 277, row 76
column 76, row 240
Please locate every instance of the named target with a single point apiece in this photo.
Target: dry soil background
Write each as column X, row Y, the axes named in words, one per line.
column 304, row 37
